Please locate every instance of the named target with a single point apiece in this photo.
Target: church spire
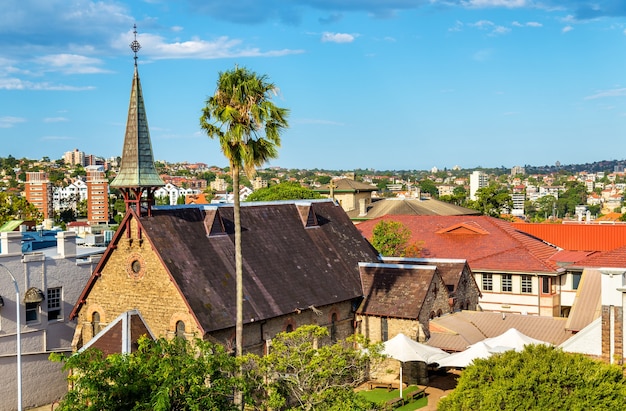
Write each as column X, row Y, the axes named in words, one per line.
column 137, row 178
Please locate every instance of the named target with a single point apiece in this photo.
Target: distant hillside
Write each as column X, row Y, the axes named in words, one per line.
column 605, row 165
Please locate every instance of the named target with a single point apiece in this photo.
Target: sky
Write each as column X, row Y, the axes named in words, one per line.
column 369, row 84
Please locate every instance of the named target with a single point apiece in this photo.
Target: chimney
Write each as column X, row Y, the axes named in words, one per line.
column 66, row 244
column 11, row 243
column 362, row 207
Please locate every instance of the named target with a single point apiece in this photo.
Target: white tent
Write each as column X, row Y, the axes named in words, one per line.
column 404, row 349
column 465, row 358
column 512, row 339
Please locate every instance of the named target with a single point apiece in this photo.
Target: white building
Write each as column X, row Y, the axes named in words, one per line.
column 478, row 180
column 49, row 282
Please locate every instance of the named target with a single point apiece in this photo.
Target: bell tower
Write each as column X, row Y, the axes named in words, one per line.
column 137, row 178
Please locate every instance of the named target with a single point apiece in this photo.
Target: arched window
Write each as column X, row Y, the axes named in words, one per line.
column 95, row 322
column 180, row 329
column 384, row 329
column 439, row 312
column 333, row 328
column 289, row 328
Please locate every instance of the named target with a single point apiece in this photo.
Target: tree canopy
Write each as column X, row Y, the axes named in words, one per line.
column 161, row 375
column 492, row 200
column 307, row 373
column 539, row 378
column 14, row 207
column 392, row 239
column 283, row 191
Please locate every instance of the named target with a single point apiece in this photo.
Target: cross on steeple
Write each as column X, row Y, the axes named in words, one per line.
column 135, row 46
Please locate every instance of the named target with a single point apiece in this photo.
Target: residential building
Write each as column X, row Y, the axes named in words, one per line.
column 478, row 180
column 219, row 184
column 38, row 192
column 49, row 282
column 97, row 196
column 75, row 157
column 258, row 182
column 514, row 271
column 348, row 193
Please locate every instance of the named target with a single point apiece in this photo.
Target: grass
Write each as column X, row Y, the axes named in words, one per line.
column 381, row 395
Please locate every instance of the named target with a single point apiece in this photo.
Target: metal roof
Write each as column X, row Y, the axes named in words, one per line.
column 578, row 236
column 137, row 168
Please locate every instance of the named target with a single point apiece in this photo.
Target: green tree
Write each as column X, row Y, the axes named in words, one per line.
column 391, row 239
column 13, row 207
column 161, row 375
column 283, row 191
column 428, row 186
column 539, row 378
column 302, row 371
column 248, row 125
column 492, row 200
column 575, row 194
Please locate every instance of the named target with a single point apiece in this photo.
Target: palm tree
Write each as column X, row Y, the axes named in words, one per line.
column 248, row 126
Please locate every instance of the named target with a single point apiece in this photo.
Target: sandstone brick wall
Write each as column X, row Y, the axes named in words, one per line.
column 613, row 333
column 150, row 290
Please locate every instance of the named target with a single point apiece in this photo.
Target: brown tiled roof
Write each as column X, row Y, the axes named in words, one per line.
column 395, row 291
column 455, row 332
column 578, row 236
column 295, row 255
column 486, row 243
column 347, row 185
column 406, row 206
column 588, row 302
column 450, row 270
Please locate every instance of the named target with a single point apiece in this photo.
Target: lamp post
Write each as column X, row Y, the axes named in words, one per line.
column 19, row 340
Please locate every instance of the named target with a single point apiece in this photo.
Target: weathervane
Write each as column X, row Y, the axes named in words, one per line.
column 135, row 46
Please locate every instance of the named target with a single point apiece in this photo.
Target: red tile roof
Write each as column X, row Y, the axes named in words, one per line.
column 615, row 258
column 578, row 236
column 486, row 243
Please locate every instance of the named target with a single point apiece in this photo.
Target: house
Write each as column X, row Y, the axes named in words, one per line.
column 463, row 292
column 49, row 283
column 400, row 299
column 514, row 270
column 348, row 192
column 176, row 267
column 406, row 206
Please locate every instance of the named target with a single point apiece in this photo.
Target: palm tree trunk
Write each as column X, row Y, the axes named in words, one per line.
column 238, row 264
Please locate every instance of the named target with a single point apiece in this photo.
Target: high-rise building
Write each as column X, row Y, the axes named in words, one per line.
column 478, row 180
column 38, row 192
column 74, row 157
column 97, row 196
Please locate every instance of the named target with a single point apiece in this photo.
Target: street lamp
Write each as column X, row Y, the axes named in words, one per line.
column 19, row 340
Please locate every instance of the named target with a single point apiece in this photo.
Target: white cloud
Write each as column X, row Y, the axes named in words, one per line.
column 9, row 122
column 495, row 3
column 527, row 24
column 328, row 37
column 70, row 64
column 55, row 119
column 458, row 26
column 195, row 48
column 566, row 29
column 500, row 30
column 617, row 92
column 17, row 84
column 482, row 55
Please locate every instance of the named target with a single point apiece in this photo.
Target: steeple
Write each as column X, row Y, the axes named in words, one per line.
column 137, row 178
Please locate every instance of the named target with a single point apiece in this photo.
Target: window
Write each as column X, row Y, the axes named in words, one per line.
column 95, row 322
column 54, row 304
column 333, row 328
column 507, row 283
column 487, row 282
column 546, row 285
column 527, row 284
column 289, row 328
column 384, row 329
column 180, row 329
column 576, row 280
column 32, row 312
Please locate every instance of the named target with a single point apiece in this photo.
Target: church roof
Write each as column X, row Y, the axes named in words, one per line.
column 137, row 168
column 297, row 255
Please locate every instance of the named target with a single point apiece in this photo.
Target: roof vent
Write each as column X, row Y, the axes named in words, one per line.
column 307, row 215
column 213, row 223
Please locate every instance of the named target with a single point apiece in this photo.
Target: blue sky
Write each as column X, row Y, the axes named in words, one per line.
column 382, row 84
